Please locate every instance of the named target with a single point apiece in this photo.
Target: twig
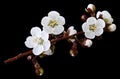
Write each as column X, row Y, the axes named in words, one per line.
column 30, row 51
column 18, row 56
column 38, row 68
column 66, row 37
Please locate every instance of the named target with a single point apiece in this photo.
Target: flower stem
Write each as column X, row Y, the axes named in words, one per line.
column 30, row 51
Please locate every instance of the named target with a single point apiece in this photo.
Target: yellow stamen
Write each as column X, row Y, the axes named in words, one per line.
column 40, row 41
column 92, row 27
column 53, row 23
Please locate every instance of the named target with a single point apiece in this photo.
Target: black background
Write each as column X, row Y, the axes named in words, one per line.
column 18, row 17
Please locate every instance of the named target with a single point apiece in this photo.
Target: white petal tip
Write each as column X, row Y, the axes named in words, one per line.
column 35, row 31
column 51, row 13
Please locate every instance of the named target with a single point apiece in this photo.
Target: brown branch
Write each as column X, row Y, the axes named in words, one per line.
column 66, row 37
column 18, row 56
column 30, row 51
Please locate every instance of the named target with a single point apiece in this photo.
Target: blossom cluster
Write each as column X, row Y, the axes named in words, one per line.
column 43, row 40
column 53, row 25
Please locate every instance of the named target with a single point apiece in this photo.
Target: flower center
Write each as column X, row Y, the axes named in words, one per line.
column 92, row 27
column 53, row 23
column 39, row 40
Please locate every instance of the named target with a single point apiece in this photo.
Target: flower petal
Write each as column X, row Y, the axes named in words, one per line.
column 85, row 27
column 58, row 30
column 44, row 35
column 90, row 35
column 98, row 14
column 46, row 45
column 60, row 20
column 53, row 14
column 88, row 43
column 38, row 50
column 110, row 20
column 72, row 40
column 36, row 31
column 48, row 52
column 48, row 29
column 100, row 23
column 72, row 30
column 45, row 21
column 99, row 32
column 30, row 42
column 106, row 14
column 91, row 20
column 27, row 44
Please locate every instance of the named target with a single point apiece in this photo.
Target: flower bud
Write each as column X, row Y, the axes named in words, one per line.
column 83, row 18
column 91, row 8
column 74, row 51
column 87, row 43
column 39, row 71
column 29, row 57
column 111, row 28
column 37, row 65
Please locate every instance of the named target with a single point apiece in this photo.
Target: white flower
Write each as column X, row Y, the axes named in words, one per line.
column 71, row 31
column 106, row 16
column 91, row 7
column 112, row 27
column 88, row 43
column 93, row 27
column 53, row 23
column 38, row 41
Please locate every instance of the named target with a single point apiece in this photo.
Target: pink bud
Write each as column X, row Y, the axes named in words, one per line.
column 84, row 18
column 87, row 43
column 29, row 57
